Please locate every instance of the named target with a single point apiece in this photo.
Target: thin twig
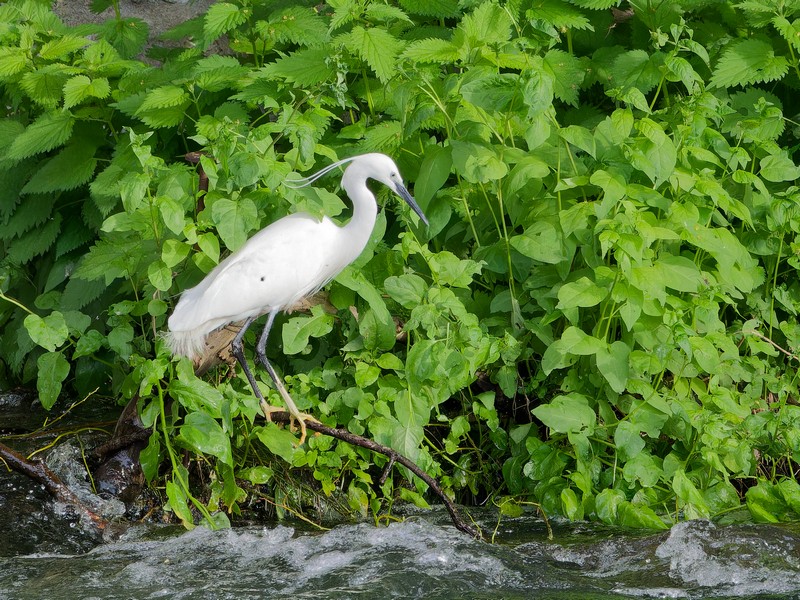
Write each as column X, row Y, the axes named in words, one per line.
column 761, row 336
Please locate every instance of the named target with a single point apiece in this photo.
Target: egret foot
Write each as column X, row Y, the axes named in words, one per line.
column 294, row 415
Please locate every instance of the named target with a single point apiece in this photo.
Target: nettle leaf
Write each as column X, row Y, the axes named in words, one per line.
column 308, row 67
column 28, row 215
column 35, row 242
column 299, row 25
column 560, row 15
column 80, row 87
column 433, row 50
column 221, row 18
column 44, row 86
column 490, row 91
column 377, row 47
column 127, row 35
column 61, row 46
column 384, row 137
column 568, row 74
column 50, row 130
column 164, row 97
column 431, row 8
column 70, row 168
column 12, row 61
column 747, row 62
column 790, row 30
column 386, row 13
column 488, row 24
column 234, row 220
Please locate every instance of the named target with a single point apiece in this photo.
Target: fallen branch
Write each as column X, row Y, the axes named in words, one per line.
column 39, row 472
column 394, row 457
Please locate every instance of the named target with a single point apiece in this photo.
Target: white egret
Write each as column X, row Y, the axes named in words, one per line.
column 286, row 261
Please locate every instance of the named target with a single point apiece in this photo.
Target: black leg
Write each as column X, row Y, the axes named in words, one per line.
column 261, row 349
column 237, row 350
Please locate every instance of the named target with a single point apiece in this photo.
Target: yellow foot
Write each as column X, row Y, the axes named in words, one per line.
column 267, row 409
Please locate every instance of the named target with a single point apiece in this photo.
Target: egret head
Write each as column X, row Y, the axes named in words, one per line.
column 367, row 166
column 382, row 168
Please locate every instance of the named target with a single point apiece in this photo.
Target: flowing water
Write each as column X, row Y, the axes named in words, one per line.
column 47, row 553
column 421, row 557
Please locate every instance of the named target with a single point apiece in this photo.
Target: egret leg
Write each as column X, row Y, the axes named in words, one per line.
column 261, row 354
column 237, row 349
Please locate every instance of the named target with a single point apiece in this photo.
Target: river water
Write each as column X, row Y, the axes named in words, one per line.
column 422, row 556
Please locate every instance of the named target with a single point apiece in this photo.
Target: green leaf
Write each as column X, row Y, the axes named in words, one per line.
column 408, row 290
column 433, row 173
column 448, row 269
column 568, row 74
column 567, row 413
column 491, row 91
column 431, row 8
column 779, row 167
column 691, row 500
column 67, row 170
column 680, row 273
column 377, row 47
column 607, row 504
column 221, row 17
column 61, row 46
column 747, row 62
column 234, row 220
column 432, row 50
column 160, row 275
column 614, row 366
column 477, row 163
column 197, row 395
column 53, row 370
column 581, row 293
column 35, row 242
column 80, row 87
column 541, row 241
column 628, row 440
column 50, row 130
column 202, row 433
column 280, row 441
column 49, row 332
column 167, row 96
column 631, row 515
column 12, row 61
column 179, row 504
column 306, row 68
column 297, row 330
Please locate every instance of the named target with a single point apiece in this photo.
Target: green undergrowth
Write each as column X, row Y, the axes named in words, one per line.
column 600, row 320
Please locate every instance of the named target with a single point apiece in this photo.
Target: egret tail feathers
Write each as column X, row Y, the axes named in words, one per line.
column 186, row 343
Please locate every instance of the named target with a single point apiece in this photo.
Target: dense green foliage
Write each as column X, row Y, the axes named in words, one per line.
column 601, row 318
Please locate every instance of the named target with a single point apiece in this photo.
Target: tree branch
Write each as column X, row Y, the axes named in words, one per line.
column 39, row 472
column 394, row 457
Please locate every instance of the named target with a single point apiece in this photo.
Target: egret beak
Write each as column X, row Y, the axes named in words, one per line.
column 403, row 193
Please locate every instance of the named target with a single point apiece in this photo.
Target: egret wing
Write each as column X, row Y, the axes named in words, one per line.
column 275, row 268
